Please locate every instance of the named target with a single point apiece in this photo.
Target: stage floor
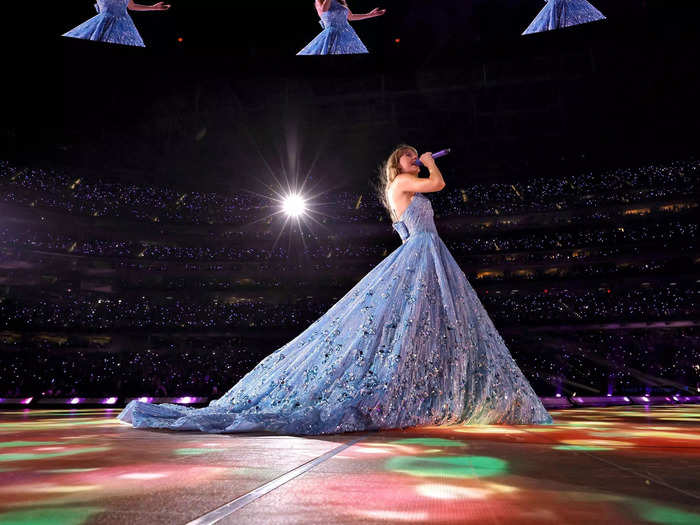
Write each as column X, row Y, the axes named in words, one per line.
column 596, row 465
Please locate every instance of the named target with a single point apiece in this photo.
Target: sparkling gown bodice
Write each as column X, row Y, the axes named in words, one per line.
column 336, row 16
column 112, row 7
column 416, row 219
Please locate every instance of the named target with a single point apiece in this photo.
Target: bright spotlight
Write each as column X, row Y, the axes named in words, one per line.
column 294, row 205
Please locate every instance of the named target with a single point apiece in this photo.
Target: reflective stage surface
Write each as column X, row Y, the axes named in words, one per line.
column 596, row 465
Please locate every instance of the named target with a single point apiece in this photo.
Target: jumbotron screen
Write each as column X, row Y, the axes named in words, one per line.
column 321, row 27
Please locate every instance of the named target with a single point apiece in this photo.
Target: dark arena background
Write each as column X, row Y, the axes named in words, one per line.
column 145, row 253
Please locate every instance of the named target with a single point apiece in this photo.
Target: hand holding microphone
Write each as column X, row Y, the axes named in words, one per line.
column 437, row 155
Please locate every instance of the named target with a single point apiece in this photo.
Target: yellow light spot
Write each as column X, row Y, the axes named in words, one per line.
column 490, row 430
column 502, row 489
column 373, row 451
column 392, row 515
column 143, row 475
column 444, row 491
column 666, row 435
column 597, row 442
column 50, row 488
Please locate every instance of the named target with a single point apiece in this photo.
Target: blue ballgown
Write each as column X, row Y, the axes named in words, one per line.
column 563, row 13
column 113, row 24
column 338, row 37
column 410, row 344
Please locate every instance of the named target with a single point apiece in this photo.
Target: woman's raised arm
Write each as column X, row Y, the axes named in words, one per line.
column 410, row 183
column 372, row 14
column 160, row 6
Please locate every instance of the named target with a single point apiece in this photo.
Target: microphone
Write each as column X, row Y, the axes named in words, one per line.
column 437, row 155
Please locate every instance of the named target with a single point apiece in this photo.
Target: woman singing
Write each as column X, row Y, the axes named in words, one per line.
column 409, row 345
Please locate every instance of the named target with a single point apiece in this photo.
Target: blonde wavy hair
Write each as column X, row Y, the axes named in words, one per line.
column 387, row 173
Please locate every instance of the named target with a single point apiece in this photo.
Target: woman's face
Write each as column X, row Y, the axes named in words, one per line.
column 407, row 161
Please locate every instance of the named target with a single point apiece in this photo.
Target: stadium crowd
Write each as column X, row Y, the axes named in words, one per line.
column 662, row 233
column 591, row 362
column 56, row 189
column 92, row 311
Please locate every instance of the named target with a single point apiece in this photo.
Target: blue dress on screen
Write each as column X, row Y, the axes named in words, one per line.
column 563, row 13
column 338, row 37
column 113, row 24
column 410, row 344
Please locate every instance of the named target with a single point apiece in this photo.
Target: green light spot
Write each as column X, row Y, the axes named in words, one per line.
column 666, row 515
column 449, row 466
column 11, row 444
column 581, row 447
column 28, row 456
column 429, row 442
column 196, row 451
column 49, row 516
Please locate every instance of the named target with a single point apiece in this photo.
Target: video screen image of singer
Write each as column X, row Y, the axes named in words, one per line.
column 390, row 28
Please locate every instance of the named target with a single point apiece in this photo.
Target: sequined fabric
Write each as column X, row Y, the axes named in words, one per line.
column 563, row 13
column 113, row 24
column 338, row 37
column 410, row 344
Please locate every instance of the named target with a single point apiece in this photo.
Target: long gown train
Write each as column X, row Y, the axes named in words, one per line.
column 113, row 24
column 410, row 344
column 563, row 13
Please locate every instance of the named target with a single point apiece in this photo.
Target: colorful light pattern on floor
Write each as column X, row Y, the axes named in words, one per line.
column 621, row 465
